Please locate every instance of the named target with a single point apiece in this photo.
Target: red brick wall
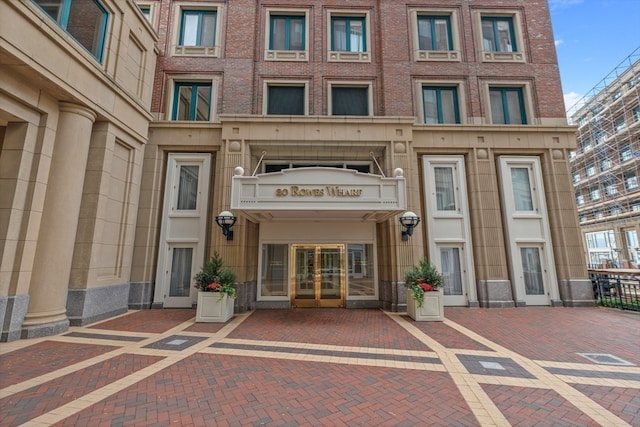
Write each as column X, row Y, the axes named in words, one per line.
column 391, row 70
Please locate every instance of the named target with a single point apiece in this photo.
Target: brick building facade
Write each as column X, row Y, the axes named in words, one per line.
column 318, row 125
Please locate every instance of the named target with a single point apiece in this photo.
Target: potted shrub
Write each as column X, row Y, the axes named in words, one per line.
column 424, row 294
column 216, row 292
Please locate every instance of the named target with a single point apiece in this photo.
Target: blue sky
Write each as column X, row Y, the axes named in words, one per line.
column 592, row 37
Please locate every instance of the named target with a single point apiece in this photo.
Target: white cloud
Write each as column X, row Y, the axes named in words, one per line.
column 558, row 42
column 572, row 102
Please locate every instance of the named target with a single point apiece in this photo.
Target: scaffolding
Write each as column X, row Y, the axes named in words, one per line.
column 605, row 165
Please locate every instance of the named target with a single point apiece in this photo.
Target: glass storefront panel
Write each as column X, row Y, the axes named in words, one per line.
column 360, row 270
column 274, row 270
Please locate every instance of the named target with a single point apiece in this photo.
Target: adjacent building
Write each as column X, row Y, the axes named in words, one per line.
column 306, row 130
column 605, row 167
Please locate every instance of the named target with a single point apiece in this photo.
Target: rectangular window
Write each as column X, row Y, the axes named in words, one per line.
column 445, row 188
column 188, row 188
column 507, row 106
column 84, row 20
column 585, row 144
column 287, row 32
column 576, row 177
column 181, row 274
column 349, row 101
column 610, row 189
column 451, row 271
column 146, row 11
column 192, row 101
column 636, row 113
column 532, row 269
column 275, row 269
column 590, row 169
column 619, row 124
column 348, row 34
column 360, row 270
column 288, row 100
column 625, row 153
column 440, row 105
column 198, row 28
column 630, row 181
column 498, row 34
column 594, row 193
column 579, row 199
column 606, row 164
column 522, row 196
column 434, row 33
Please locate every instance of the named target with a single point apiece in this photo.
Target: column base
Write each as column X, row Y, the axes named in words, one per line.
column 45, row 329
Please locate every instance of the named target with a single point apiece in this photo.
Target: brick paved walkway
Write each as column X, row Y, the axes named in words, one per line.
column 331, row 367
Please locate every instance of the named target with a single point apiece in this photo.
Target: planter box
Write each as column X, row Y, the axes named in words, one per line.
column 431, row 310
column 211, row 308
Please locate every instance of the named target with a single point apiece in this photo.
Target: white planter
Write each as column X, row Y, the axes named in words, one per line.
column 211, row 308
column 431, row 310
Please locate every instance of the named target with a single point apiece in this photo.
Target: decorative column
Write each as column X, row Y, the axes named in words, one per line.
column 54, row 252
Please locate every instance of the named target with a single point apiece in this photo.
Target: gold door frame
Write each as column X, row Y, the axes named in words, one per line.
column 318, row 289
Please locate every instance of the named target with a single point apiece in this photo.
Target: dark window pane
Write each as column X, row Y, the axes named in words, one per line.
column 287, row 100
column 350, row 101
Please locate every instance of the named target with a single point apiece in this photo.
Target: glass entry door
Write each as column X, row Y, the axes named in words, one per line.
column 318, row 275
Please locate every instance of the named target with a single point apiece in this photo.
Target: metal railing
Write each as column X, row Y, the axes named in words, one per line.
column 617, row 288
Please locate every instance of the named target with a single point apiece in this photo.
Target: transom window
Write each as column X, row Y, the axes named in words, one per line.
column 434, row 33
column 192, row 101
column 349, row 100
column 440, row 104
column 498, row 34
column 348, row 34
column 287, row 32
column 198, row 28
column 84, row 20
column 507, row 106
column 286, row 99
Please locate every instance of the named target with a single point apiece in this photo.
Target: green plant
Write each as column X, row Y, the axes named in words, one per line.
column 214, row 277
column 422, row 278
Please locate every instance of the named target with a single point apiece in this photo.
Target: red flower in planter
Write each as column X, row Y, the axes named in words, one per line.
column 427, row 287
column 214, row 287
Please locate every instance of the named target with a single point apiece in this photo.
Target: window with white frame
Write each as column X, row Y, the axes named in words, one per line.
column 606, row 164
column 440, row 104
column 619, row 124
column 522, row 190
column 630, row 181
column 84, row 20
column 590, row 169
column 287, row 35
column 285, row 98
column 507, row 105
column 594, row 193
column 576, row 177
column 197, row 32
column 348, row 37
column 350, row 99
column 610, row 188
column 625, row 153
column 192, row 101
column 146, row 10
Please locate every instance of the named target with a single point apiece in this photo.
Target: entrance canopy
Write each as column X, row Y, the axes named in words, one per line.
column 318, row 193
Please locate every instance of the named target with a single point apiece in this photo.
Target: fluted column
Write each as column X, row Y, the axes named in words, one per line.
column 54, row 252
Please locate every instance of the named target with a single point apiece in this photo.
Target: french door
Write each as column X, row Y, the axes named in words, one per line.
column 184, row 216
column 318, row 275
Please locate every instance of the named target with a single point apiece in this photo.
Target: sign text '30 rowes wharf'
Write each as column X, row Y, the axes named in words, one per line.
column 329, row 191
